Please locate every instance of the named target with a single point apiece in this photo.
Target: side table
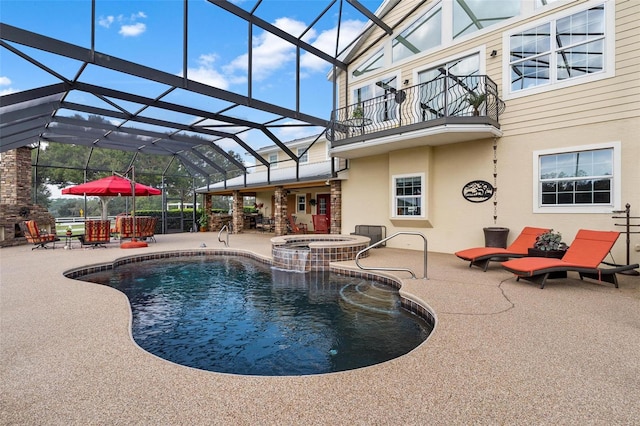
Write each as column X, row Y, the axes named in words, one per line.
column 68, row 241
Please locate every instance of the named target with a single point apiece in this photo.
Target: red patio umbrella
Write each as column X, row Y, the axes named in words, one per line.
column 110, row 186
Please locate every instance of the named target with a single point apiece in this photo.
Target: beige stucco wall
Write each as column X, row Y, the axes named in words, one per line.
column 455, row 223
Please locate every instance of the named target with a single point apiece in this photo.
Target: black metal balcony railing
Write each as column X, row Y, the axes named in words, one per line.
column 448, row 99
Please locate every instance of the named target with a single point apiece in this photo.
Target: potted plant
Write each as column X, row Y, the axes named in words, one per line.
column 475, row 100
column 548, row 244
column 357, row 112
column 312, row 202
column 203, row 221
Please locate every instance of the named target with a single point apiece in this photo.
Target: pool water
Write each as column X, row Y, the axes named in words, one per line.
column 236, row 315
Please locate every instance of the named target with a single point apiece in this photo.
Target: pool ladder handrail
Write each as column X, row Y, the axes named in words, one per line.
column 225, row 227
column 369, row 268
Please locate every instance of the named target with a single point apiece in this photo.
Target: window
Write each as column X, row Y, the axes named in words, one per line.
column 301, row 203
column 562, row 49
column 377, row 100
column 423, row 34
column 375, row 62
column 543, row 3
column 460, row 74
column 584, row 179
column 407, row 198
column 303, row 158
column 273, row 160
column 472, row 15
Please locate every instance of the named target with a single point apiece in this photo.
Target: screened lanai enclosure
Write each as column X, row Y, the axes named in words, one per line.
column 94, row 105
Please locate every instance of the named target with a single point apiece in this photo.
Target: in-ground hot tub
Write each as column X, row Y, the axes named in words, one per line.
column 314, row 252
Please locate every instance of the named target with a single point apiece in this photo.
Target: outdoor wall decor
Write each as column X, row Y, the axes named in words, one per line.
column 477, row 191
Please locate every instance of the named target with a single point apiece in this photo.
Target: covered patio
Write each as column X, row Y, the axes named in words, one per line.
column 502, row 352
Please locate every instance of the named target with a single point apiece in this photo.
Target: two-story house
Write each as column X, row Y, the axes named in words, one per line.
column 463, row 115
column 474, row 114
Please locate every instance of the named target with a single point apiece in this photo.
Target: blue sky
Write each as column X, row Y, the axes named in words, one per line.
column 150, row 33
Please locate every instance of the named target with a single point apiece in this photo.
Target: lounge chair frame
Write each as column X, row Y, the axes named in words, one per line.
column 607, row 275
column 482, row 256
column 603, row 240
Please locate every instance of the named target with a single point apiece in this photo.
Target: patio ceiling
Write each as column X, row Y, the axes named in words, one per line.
column 138, row 123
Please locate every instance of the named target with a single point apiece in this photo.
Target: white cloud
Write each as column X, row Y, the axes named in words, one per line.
column 326, row 42
column 296, row 132
column 6, row 81
column 106, row 21
column 207, row 74
column 129, row 26
column 270, row 53
column 133, row 30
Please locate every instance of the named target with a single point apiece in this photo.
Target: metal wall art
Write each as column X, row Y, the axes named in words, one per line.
column 477, row 191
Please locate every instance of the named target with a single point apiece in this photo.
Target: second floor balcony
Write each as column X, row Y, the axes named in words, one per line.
column 449, row 109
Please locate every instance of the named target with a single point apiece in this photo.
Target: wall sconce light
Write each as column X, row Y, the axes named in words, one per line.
column 406, row 82
column 494, row 53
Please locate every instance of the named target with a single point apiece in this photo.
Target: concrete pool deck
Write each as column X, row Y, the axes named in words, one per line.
column 503, row 352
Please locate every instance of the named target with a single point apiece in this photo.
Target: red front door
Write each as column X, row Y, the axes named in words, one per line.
column 324, row 206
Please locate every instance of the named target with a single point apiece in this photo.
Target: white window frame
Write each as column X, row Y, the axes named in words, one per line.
column 444, row 32
column 616, row 193
column 394, row 198
column 301, row 201
column 609, row 51
column 273, row 163
column 375, row 92
column 305, row 157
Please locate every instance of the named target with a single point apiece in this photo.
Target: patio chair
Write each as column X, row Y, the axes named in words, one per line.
column 260, row 222
column 296, row 228
column 481, row 256
column 33, row 235
column 320, row 225
column 150, row 228
column 584, row 256
column 97, row 233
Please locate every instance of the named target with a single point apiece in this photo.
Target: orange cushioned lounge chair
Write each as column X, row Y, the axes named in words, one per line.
column 584, row 256
column 481, row 256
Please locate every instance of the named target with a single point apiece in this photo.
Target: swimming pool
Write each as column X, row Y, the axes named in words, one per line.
column 237, row 315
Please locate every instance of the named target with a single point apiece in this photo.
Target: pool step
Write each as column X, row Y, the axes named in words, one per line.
column 371, row 297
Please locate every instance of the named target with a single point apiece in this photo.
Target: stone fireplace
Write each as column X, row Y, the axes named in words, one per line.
column 15, row 198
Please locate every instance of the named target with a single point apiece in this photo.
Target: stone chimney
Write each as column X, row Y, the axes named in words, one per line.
column 15, row 198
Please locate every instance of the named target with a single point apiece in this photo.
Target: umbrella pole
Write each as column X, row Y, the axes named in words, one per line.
column 134, row 243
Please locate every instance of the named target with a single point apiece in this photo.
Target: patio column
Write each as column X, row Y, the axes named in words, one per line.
column 280, row 213
column 206, row 198
column 238, row 212
column 336, row 207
